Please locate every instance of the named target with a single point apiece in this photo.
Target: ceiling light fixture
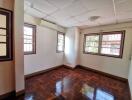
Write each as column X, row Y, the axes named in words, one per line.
column 94, row 18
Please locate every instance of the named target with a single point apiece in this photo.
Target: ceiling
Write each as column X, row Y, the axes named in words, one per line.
column 70, row 13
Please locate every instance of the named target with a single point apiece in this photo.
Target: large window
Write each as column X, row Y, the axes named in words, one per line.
column 29, row 39
column 106, row 43
column 60, row 42
column 5, row 35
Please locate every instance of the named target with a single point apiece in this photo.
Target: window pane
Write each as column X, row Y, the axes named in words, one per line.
column 28, row 30
column 2, row 49
column 60, row 44
column 27, row 37
column 27, row 41
column 2, row 32
column 91, row 49
column 92, row 43
column 2, row 38
column 2, row 21
column 60, row 48
column 28, row 47
column 111, row 44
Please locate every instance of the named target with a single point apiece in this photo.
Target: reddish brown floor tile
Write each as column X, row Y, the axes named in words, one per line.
column 77, row 84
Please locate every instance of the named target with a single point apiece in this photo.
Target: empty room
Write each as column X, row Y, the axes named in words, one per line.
column 65, row 49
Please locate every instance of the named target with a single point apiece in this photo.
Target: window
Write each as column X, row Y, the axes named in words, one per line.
column 60, row 42
column 5, row 35
column 106, row 43
column 92, row 43
column 29, row 39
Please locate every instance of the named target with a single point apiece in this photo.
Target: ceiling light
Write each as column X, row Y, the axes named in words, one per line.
column 94, row 18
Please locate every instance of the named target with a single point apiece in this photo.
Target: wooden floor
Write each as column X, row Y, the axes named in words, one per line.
column 77, row 84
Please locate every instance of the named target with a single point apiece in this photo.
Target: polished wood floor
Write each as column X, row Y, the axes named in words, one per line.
column 77, row 84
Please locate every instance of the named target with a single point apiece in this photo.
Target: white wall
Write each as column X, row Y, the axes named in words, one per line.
column 18, row 42
column 7, row 67
column 114, row 66
column 71, row 47
column 46, row 56
column 130, row 77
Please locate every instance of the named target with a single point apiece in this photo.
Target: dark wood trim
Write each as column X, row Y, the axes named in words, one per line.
column 9, row 34
column 57, row 51
column 19, row 93
column 34, row 38
column 129, row 90
column 8, row 95
column 42, row 72
column 122, row 32
column 103, row 73
column 68, row 67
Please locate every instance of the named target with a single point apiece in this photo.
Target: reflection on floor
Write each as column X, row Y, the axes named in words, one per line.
column 77, row 84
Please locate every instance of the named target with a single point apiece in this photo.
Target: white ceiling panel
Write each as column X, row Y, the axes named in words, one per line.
column 34, row 12
column 70, row 13
column 96, row 4
column 122, row 7
column 103, row 13
column 60, row 3
column 43, row 5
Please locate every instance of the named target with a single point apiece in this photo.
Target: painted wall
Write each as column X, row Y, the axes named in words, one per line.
column 114, row 66
column 130, row 76
column 46, row 56
column 71, row 47
column 7, row 67
column 18, row 43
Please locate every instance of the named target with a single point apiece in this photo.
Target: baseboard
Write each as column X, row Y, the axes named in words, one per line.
column 66, row 66
column 8, row 95
column 41, row 72
column 129, row 91
column 104, row 74
column 19, row 93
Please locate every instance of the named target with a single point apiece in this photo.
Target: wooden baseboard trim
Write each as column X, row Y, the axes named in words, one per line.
column 8, row 95
column 19, row 93
column 129, row 91
column 103, row 73
column 41, row 72
column 68, row 67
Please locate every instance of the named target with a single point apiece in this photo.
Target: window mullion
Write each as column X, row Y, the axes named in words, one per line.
column 100, row 43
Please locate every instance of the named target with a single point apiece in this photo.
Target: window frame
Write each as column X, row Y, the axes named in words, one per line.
column 100, row 43
column 9, row 34
column 33, row 37
column 58, row 51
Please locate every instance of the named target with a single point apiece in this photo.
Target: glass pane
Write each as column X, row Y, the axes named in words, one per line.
column 28, row 47
column 2, row 21
column 110, row 51
column 93, row 44
column 92, row 38
column 60, row 36
column 28, row 30
column 112, row 37
column 91, row 49
column 27, row 37
column 60, row 48
column 2, row 49
column 2, row 38
column 111, row 44
column 27, row 41
column 2, row 32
